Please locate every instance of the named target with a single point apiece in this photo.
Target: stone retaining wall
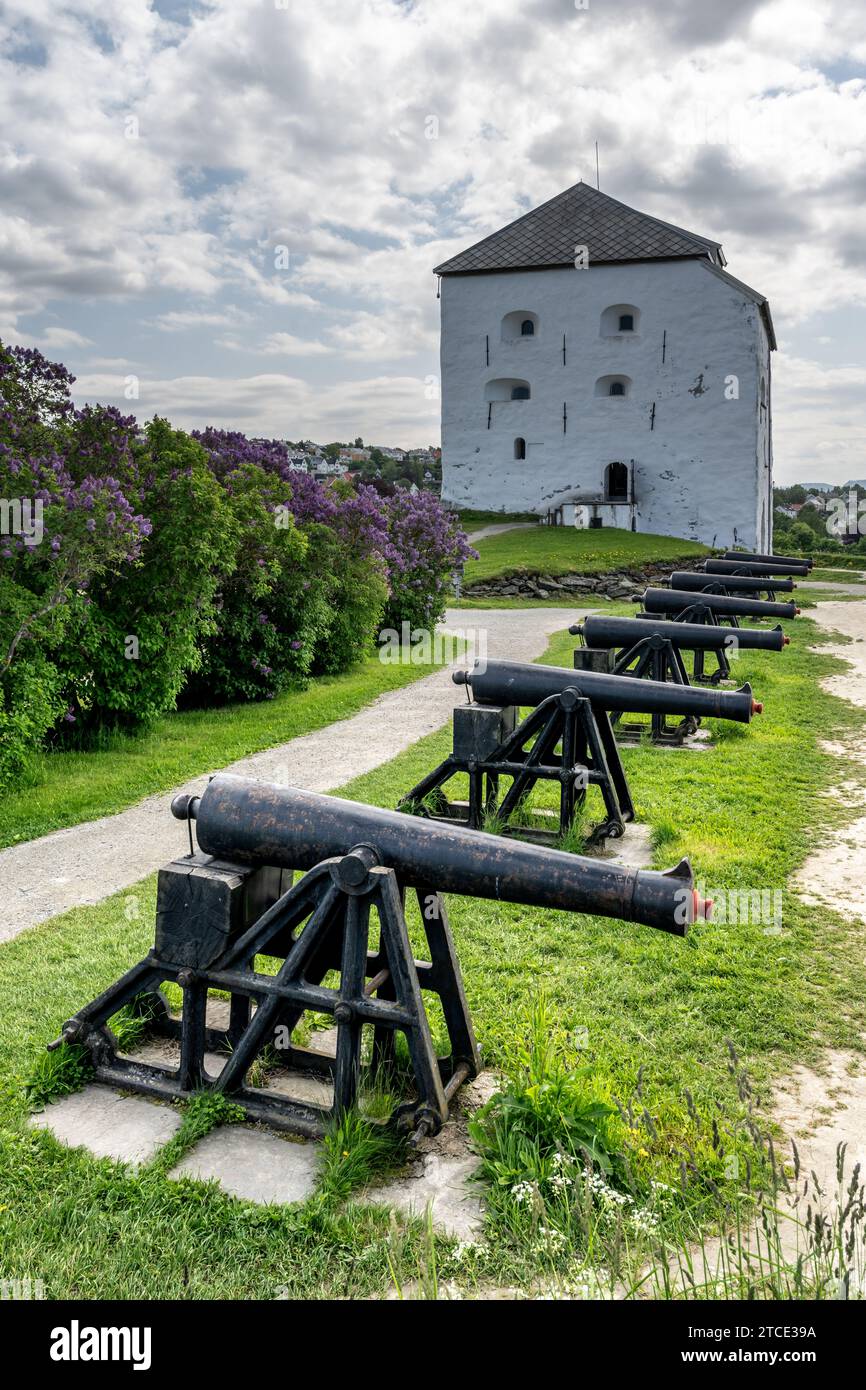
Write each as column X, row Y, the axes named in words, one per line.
column 619, row 584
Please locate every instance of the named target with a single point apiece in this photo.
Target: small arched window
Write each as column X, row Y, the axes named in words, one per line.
column 620, row 320
column 519, row 323
column 520, row 393
column 520, row 448
column 613, row 386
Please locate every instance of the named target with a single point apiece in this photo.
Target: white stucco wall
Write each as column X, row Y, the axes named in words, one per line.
column 702, row 471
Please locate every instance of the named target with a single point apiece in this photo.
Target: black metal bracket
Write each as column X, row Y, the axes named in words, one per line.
column 655, row 658
column 322, row 924
column 564, row 740
column 697, row 612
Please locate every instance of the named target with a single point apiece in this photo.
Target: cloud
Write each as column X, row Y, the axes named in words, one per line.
column 155, row 158
column 286, row 345
column 62, row 338
column 396, row 408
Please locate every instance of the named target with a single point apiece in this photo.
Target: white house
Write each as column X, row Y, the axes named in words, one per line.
column 602, row 368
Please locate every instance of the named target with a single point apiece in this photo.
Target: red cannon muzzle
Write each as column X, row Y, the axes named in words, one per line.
column 702, row 908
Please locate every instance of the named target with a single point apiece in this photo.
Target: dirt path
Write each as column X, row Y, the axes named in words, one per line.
column 822, row 1108
column 88, row 862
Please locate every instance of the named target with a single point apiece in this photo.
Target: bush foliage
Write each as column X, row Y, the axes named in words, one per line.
column 142, row 566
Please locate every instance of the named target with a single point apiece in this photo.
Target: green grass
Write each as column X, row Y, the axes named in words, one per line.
column 656, row 1012
column 70, row 787
column 565, row 550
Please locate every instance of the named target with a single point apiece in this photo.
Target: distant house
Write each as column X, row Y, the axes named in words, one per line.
column 602, row 368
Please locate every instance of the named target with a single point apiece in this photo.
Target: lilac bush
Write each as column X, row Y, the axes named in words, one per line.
column 138, row 565
column 60, row 533
column 426, row 548
column 312, row 599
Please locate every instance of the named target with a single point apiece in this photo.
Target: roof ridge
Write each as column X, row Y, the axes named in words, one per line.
column 544, row 236
column 517, row 220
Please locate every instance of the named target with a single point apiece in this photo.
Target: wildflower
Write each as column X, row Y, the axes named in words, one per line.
column 523, row 1192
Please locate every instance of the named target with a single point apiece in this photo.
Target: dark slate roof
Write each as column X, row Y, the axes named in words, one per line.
column 581, row 216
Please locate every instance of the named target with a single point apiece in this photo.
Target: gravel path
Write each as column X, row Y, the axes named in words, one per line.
column 88, row 862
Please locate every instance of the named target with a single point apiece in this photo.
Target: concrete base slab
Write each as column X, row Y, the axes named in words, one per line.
column 254, row 1164
column 634, row 850
column 302, row 1086
column 127, row 1128
column 442, row 1183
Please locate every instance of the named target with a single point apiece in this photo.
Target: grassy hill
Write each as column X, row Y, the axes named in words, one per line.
column 556, row 550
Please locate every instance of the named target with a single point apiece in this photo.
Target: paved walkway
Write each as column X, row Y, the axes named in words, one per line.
column 88, row 862
column 834, row 588
column 497, row 530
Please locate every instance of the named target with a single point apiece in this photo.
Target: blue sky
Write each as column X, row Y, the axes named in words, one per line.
column 233, row 207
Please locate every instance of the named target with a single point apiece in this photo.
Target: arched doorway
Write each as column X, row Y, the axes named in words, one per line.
column 616, row 482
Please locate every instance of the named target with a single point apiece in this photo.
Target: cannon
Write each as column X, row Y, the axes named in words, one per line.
column 688, row 607
column 756, row 569
column 234, row 899
column 567, row 738
column 752, row 557
column 731, row 584
column 656, row 652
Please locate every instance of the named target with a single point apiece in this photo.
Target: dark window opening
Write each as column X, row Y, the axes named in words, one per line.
column 626, row 323
column 616, row 482
column 617, row 388
column 520, row 448
column 594, row 523
column 520, row 393
column 527, row 328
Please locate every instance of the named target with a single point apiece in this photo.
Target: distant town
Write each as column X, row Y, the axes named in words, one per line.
column 382, row 467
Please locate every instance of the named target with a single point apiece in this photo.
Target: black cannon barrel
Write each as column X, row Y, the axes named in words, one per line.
column 675, row 600
column 522, row 683
column 259, row 823
column 695, row 637
column 751, row 555
column 755, row 569
column 734, row 583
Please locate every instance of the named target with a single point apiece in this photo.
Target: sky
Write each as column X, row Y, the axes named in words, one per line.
column 227, row 211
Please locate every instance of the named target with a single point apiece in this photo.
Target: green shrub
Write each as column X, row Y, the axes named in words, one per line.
column 139, row 633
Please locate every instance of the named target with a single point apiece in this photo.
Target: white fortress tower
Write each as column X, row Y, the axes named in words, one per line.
column 632, row 392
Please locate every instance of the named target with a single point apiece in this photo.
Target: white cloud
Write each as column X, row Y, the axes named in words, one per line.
column 63, row 338
column 286, row 345
column 307, row 128
column 274, row 404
